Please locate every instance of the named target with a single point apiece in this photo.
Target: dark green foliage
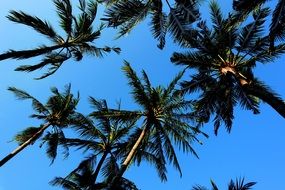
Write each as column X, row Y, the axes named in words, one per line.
column 105, row 140
column 78, row 41
column 223, row 57
column 59, row 112
column 83, row 180
column 127, row 14
column 164, row 116
column 239, row 184
column 277, row 25
column 24, row 135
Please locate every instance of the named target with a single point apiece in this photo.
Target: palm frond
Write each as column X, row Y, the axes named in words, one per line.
column 36, row 23
column 23, row 95
column 138, row 91
column 25, row 54
column 277, row 30
column 26, row 134
column 65, row 183
column 252, row 31
column 52, row 141
column 179, row 28
column 122, row 11
column 64, row 11
column 159, row 24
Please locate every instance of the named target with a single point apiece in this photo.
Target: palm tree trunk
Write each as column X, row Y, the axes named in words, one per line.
column 98, row 168
column 270, row 98
column 130, row 156
column 24, row 54
column 24, row 145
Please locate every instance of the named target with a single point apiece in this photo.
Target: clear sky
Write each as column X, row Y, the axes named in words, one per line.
column 254, row 149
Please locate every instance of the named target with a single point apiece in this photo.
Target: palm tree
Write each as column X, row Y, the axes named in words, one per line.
column 106, row 139
column 237, row 185
column 77, row 42
column 58, row 113
column 224, row 57
column 164, row 122
column 127, row 14
column 277, row 29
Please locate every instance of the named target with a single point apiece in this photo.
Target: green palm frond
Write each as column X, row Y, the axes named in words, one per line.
column 64, row 11
column 65, row 183
column 199, row 187
column 36, row 23
column 78, row 40
column 277, row 30
column 26, row 134
column 216, row 16
column 239, row 184
column 247, row 6
column 23, row 95
column 267, row 56
column 52, row 141
column 252, row 32
column 159, row 24
column 138, row 91
column 127, row 14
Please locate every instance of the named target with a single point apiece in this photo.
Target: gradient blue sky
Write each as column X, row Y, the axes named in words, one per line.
column 254, row 149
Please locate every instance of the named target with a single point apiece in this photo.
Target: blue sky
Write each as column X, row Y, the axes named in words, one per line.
column 254, row 149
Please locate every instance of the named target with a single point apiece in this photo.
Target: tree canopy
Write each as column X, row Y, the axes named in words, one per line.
column 200, row 70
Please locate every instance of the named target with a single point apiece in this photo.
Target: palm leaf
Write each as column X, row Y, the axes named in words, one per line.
column 26, row 134
column 138, row 91
column 159, row 24
column 64, row 11
column 277, row 30
column 36, row 23
column 23, row 95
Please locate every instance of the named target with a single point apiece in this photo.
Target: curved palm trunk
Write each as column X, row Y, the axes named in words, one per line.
column 24, row 145
column 98, row 168
column 129, row 158
column 24, row 54
column 270, row 98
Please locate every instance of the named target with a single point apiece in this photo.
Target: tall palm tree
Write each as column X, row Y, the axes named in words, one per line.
column 105, row 138
column 239, row 184
column 277, row 29
column 78, row 40
column 164, row 122
column 223, row 57
column 127, row 14
column 58, row 113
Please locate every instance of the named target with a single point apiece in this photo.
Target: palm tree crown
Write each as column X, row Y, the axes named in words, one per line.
column 224, row 57
column 59, row 112
column 163, row 119
column 77, row 42
column 106, row 139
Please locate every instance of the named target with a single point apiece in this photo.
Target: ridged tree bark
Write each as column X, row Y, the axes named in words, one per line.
column 24, row 145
